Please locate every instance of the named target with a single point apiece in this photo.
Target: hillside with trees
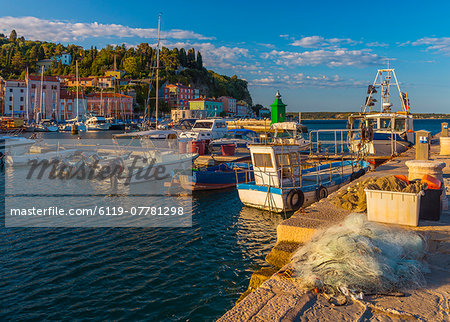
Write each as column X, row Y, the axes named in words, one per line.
column 176, row 65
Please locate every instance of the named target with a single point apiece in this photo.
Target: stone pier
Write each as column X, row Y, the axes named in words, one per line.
column 281, row 299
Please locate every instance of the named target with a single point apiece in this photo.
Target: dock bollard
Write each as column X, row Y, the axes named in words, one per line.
column 423, row 140
column 444, row 130
column 418, row 168
column 445, row 145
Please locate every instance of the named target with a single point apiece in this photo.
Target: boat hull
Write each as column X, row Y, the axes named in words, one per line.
column 217, row 177
column 275, row 199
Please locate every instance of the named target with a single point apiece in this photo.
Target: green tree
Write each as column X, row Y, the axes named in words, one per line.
column 199, row 60
column 13, row 36
column 132, row 66
column 256, row 108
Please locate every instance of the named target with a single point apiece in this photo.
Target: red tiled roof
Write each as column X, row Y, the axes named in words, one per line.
column 70, row 95
column 180, row 86
column 98, row 95
column 46, row 78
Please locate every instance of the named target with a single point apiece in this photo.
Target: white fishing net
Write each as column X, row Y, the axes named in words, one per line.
column 362, row 256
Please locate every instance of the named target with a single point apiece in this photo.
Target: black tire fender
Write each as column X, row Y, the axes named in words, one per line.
column 295, row 199
column 321, row 193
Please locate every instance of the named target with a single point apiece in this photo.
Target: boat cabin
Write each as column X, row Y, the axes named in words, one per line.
column 389, row 122
column 272, row 164
column 209, row 129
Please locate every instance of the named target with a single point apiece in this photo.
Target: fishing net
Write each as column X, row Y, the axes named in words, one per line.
column 361, row 256
column 354, row 198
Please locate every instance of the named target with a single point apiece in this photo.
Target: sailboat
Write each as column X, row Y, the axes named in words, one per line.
column 385, row 133
column 43, row 124
column 80, row 126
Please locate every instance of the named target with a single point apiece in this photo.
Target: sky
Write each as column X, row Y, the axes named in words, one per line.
column 320, row 55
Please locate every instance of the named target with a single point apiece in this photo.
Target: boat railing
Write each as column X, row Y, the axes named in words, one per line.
column 292, row 175
column 336, row 141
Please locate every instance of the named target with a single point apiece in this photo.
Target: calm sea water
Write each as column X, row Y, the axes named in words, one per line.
column 194, row 273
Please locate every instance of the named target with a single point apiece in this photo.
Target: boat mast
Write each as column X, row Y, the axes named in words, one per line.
column 76, row 63
column 42, row 92
column 157, row 72
column 27, row 100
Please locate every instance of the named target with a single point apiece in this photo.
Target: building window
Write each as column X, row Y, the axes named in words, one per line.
column 10, row 98
column 44, row 87
column 21, row 90
column 10, row 90
column 33, row 85
column 10, row 108
column 21, row 99
column 21, row 107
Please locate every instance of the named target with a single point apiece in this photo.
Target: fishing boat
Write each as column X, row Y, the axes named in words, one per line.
column 284, row 182
column 225, row 175
column 386, row 133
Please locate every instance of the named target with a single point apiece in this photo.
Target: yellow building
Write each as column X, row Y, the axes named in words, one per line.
column 117, row 74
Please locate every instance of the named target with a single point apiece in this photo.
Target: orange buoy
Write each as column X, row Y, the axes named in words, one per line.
column 432, row 182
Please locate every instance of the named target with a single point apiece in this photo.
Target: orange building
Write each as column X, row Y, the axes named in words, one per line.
column 114, row 105
column 68, row 105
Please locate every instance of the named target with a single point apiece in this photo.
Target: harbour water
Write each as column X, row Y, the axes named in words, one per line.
column 194, row 273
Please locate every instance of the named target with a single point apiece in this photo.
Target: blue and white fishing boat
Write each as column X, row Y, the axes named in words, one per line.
column 283, row 182
column 386, row 133
column 225, row 175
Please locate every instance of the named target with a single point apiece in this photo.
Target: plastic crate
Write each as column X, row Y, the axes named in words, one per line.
column 393, row 207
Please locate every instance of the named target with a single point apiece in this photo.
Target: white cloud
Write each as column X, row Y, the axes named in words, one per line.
column 331, row 58
column 296, row 80
column 214, row 56
column 441, row 45
column 319, row 41
column 56, row 30
column 376, row 44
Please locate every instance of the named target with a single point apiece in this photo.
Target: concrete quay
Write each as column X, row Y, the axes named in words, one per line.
column 282, row 299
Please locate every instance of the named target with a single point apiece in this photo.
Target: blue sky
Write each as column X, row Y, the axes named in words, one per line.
column 321, row 55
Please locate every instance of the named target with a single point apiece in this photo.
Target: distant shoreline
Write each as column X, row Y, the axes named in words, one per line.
column 415, row 118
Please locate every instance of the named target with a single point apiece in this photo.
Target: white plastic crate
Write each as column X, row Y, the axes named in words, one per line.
column 393, row 207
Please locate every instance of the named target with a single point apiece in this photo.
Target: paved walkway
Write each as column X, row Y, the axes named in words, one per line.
column 279, row 299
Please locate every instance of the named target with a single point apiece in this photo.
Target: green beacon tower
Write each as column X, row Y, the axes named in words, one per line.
column 277, row 110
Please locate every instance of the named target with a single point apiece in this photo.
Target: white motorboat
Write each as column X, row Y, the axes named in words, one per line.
column 210, row 129
column 15, row 145
column 46, row 126
column 97, row 123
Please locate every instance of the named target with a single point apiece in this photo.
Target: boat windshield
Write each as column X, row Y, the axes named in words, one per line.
column 185, row 124
column 385, row 124
column 289, row 134
column 203, row 125
column 400, row 125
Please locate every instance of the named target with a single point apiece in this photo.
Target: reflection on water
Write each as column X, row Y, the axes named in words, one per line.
column 194, row 273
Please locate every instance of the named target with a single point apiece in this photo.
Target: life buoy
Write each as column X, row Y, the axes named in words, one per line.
column 295, row 199
column 321, row 193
